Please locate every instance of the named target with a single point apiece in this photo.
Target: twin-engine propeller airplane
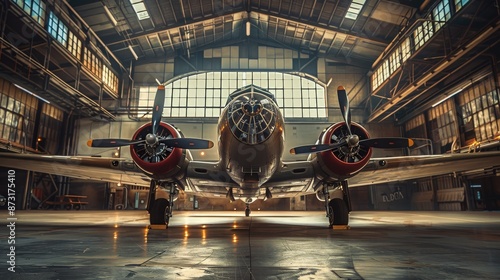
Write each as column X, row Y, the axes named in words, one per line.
column 250, row 166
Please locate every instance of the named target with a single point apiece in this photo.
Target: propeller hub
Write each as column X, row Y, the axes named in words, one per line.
column 353, row 141
column 151, row 139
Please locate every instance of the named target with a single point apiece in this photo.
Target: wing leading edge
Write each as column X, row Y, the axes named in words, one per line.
column 114, row 170
column 391, row 169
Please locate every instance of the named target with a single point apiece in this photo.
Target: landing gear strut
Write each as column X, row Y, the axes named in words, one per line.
column 230, row 195
column 329, row 210
column 160, row 210
column 337, row 210
column 152, row 195
column 247, row 210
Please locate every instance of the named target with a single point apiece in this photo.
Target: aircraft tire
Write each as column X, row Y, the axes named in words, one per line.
column 340, row 212
column 159, row 212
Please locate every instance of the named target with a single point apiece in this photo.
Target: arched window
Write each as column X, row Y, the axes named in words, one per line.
column 205, row 94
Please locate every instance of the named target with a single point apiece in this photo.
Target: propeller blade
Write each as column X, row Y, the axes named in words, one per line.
column 387, row 142
column 344, row 107
column 309, row 149
column 111, row 143
column 382, row 143
column 188, row 143
column 158, row 108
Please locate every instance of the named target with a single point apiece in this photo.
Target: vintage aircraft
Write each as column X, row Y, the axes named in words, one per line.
column 250, row 166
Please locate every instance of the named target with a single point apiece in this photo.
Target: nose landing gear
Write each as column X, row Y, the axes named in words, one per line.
column 247, row 211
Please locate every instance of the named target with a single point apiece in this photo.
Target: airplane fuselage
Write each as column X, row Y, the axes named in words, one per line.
column 251, row 135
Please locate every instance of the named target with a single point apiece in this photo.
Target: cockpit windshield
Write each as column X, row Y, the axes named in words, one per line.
column 252, row 115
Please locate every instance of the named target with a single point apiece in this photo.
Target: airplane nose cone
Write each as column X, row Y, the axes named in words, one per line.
column 252, row 118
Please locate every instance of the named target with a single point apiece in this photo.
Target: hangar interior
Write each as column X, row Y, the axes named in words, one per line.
column 429, row 70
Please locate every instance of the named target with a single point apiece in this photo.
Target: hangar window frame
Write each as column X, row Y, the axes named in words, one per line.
column 480, row 103
column 443, row 124
column 17, row 114
column 459, row 4
column 203, row 95
column 405, row 50
column 395, row 60
column 35, row 8
column 74, row 45
column 109, row 78
column 57, row 29
column 92, row 63
column 441, row 14
column 385, row 70
column 423, row 33
column 375, row 82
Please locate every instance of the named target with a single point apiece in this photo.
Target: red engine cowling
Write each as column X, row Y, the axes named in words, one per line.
column 162, row 161
column 342, row 162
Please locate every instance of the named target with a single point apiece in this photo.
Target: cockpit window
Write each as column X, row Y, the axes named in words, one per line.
column 251, row 116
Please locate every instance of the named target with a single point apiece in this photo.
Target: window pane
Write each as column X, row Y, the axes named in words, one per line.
column 195, row 95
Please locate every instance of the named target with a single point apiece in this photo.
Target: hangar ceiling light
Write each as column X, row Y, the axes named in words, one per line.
column 354, row 9
column 27, row 91
column 133, row 52
column 140, row 9
column 110, row 16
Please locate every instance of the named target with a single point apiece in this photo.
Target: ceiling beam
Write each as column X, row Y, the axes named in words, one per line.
column 296, row 21
column 327, row 27
column 177, row 26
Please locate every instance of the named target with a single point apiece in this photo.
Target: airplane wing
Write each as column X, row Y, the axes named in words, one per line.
column 292, row 179
column 207, row 179
column 391, row 169
column 114, row 170
column 203, row 178
column 298, row 178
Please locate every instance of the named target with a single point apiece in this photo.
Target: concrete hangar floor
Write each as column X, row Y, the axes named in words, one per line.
column 267, row 245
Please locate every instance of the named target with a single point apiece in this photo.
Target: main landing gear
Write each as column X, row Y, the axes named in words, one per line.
column 337, row 210
column 160, row 210
column 248, row 200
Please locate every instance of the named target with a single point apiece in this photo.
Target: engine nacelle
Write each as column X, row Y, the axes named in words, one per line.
column 343, row 162
column 161, row 161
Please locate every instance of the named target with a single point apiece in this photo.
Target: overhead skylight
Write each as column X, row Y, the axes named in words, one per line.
column 354, row 9
column 140, row 9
